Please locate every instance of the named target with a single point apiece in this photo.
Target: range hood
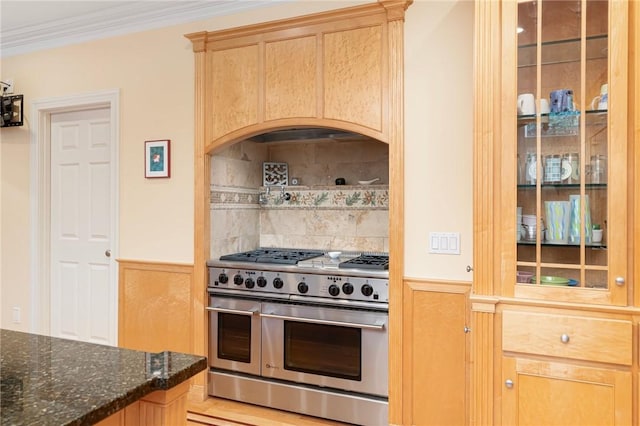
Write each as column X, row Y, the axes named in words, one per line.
column 307, row 134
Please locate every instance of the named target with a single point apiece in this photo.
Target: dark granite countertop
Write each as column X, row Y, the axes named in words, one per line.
column 51, row 381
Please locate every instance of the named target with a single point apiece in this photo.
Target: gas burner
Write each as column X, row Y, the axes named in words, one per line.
column 277, row 256
column 311, row 275
column 367, row 261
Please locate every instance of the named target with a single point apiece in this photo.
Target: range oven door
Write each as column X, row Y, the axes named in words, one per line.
column 343, row 349
column 234, row 334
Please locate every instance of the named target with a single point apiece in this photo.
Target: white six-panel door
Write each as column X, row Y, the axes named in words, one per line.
column 82, row 293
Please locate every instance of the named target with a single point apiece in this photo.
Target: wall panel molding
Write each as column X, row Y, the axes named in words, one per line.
column 155, row 306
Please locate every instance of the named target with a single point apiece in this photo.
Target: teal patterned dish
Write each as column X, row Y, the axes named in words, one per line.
column 551, row 280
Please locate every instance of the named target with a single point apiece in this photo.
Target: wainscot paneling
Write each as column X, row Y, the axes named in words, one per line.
column 155, row 306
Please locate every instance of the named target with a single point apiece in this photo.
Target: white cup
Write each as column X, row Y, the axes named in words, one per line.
column 529, row 219
column 544, row 106
column 597, row 235
column 601, row 102
column 526, row 104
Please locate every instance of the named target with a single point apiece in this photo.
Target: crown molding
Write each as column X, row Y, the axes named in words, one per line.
column 122, row 18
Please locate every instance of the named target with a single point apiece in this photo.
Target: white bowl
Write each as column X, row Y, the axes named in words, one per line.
column 334, row 254
column 368, row 182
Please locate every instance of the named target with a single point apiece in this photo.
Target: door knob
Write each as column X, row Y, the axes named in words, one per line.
column 107, row 253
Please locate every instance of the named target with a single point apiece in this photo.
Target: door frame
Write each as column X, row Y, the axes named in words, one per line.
column 40, row 190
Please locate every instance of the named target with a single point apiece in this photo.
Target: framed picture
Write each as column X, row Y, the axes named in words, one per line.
column 157, row 159
column 275, row 174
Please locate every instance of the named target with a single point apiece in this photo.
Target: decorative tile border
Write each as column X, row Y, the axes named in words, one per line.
column 348, row 197
column 227, row 198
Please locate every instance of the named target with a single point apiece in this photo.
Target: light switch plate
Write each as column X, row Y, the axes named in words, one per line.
column 444, row 242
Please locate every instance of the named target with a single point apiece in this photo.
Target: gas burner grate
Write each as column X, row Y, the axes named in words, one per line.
column 277, row 256
column 367, row 261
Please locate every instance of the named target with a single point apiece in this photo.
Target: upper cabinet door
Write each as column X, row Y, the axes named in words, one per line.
column 569, row 125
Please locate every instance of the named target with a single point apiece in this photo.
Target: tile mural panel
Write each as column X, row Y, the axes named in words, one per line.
column 311, row 212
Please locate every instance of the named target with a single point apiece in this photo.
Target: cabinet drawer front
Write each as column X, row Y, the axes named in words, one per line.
column 584, row 338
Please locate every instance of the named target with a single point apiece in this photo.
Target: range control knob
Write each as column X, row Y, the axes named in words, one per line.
column 303, row 287
column 334, row 290
column 261, row 281
column 277, row 282
column 347, row 288
column 237, row 279
column 249, row 283
column 367, row 290
column 223, row 278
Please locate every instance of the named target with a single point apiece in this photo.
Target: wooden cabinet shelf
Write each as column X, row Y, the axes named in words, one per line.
column 524, row 119
column 574, row 186
column 554, row 52
column 595, row 246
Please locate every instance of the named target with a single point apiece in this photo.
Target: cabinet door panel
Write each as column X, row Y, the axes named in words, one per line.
column 437, row 369
column 570, row 131
column 353, row 73
column 290, row 80
column 234, row 88
column 559, row 394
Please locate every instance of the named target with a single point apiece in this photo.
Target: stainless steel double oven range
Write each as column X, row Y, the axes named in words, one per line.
column 299, row 331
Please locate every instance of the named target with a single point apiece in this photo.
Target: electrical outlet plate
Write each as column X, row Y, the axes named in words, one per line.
column 16, row 315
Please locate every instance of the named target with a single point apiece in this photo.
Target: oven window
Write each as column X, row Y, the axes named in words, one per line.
column 234, row 337
column 327, row 350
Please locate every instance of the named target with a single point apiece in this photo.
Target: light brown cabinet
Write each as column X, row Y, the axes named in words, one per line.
column 553, row 305
column 558, row 393
column 570, row 149
column 566, row 369
column 326, row 71
column 436, row 355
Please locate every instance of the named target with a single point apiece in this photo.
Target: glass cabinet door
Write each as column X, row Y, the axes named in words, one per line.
column 563, row 150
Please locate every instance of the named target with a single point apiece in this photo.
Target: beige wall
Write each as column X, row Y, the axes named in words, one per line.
column 154, row 72
column 438, row 135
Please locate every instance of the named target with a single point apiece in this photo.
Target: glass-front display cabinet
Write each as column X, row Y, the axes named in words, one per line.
column 570, row 156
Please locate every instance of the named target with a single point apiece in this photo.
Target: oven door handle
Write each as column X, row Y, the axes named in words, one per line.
column 232, row 311
column 326, row 322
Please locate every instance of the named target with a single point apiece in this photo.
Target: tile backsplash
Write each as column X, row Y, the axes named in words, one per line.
column 316, row 214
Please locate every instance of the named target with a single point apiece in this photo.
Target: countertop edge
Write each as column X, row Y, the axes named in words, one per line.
column 139, row 392
column 55, row 381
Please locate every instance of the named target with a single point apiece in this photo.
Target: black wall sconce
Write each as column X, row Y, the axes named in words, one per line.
column 11, row 107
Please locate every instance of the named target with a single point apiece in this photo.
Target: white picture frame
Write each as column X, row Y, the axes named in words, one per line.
column 157, row 159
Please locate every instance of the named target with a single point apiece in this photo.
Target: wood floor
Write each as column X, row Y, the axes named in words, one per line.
column 222, row 412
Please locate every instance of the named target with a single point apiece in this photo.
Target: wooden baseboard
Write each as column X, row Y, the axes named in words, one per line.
column 223, row 412
column 209, row 420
